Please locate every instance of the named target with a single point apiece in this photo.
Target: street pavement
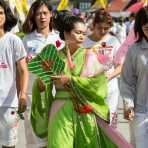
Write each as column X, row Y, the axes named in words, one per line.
column 122, row 127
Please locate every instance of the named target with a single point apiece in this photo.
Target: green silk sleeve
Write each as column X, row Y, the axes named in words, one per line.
column 88, row 90
column 41, row 103
column 92, row 91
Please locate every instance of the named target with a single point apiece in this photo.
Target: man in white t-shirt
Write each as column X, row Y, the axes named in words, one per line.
column 12, row 52
column 12, row 66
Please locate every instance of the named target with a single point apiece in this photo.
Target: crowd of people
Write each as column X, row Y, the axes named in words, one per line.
column 104, row 60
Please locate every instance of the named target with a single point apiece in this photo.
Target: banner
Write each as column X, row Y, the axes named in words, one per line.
column 100, row 4
column 21, row 7
column 63, row 5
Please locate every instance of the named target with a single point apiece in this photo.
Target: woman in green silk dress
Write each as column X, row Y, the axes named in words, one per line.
column 80, row 94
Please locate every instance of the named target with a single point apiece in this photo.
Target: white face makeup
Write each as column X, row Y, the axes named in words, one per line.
column 77, row 35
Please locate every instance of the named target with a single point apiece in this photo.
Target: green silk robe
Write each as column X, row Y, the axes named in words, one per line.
column 71, row 129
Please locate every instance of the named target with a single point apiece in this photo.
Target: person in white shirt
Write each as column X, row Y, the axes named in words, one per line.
column 39, row 33
column 121, row 30
column 12, row 65
column 102, row 41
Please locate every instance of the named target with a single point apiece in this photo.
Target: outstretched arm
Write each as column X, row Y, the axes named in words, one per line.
column 23, row 76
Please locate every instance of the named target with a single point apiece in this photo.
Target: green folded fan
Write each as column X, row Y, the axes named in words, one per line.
column 47, row 63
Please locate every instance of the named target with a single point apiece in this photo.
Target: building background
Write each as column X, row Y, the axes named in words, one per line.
column 82, row 4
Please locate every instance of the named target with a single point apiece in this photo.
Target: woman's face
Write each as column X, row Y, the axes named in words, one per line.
column 42, row 17
column 145, row 29
column 2, row 17
column 100, row 29
column 77, row 35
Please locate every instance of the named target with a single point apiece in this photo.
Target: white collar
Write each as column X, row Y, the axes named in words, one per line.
column 41, row 35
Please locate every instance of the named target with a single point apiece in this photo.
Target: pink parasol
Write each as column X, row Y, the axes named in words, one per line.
column 135, row 7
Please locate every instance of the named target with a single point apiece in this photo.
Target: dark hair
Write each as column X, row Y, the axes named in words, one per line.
column 102, row 16
column 30, row 24
column 58, row 18
column 132, row 15
column 11, row 21
column 140, row 20
column 69, row 24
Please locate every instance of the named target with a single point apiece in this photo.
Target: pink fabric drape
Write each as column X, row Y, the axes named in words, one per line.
column 115, row 136
column 122, row 51
column 92, row 66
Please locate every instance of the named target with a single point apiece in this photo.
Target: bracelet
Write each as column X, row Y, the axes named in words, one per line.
column 23, row 92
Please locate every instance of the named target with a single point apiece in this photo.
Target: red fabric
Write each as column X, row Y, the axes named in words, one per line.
column 58, row 43
column 84, row 109
column 117, row 5
column 135, row 7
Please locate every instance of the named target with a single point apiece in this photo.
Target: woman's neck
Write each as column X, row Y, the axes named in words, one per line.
column 44, row 31
column 95, row 38
column 72, row 49
column 2, row 32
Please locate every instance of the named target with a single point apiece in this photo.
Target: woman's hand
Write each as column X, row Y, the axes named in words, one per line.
column 129, row 114
column 115, row 73
column 65, row 79
column 62, row 79
column 109, row 76
column 28, row 59
column 41, row 85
